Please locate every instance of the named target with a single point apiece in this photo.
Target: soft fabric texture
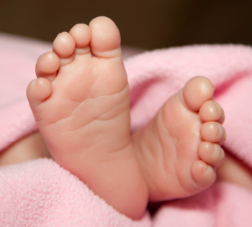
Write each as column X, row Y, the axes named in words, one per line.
column 41, row 193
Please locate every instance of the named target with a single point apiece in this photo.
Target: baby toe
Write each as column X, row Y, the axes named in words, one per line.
column 64, row 46
column 37, row 91
column 213, row 132
column 203, row 174
column 211, row 153
column 211, row 111
column 82, row 36
column 47, row 65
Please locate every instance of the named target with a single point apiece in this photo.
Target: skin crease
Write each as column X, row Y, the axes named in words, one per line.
column 180, row 146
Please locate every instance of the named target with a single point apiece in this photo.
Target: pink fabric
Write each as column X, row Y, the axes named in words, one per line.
column 40, row 193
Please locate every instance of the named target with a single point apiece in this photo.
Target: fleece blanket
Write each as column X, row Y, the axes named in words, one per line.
column 41, row 193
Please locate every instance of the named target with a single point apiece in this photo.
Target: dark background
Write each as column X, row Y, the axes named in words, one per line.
column 147, row 24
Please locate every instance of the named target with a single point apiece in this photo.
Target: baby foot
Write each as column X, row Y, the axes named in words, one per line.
column 179, row 149
column 81, row 105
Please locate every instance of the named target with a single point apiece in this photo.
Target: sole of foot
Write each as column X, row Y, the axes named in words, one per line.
column 81, row 105
column 180, row 148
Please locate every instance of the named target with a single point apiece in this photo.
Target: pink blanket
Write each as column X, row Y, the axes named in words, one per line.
column 41, row 193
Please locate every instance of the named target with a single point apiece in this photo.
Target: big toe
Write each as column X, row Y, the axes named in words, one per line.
column 105, row 38
column 196, row 92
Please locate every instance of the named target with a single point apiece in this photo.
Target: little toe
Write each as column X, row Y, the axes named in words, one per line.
column 213, row 132
column 38, row 90
column 211, row 111
column 105, row 38
column 211, row 153
column 203, row 174
column 64, row 46
column 47, row 65
column 82, row 35
column 197, row 91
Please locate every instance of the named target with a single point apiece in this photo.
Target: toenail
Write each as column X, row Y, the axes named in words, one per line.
column 33, row 82
column 218, row 106
column 219, row 154
column 216, row 154
column 203, row 166
column 215, row 149
column 222, row 155
column 220, row 129
column 41, row 55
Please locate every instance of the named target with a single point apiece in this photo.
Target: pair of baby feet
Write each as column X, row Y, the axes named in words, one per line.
column 80, row 101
